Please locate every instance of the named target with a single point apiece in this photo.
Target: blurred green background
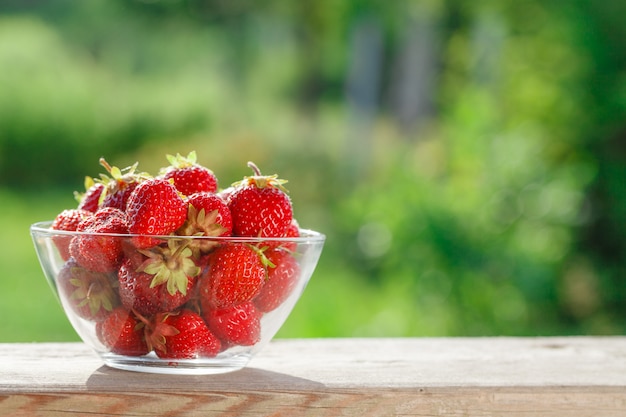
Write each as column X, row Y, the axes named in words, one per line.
column 465, row 159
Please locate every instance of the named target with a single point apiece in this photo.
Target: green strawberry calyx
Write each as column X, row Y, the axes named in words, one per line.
column 157, row 331
column 261, row 181
column 171, row 266
column 179, row 161
column 201, row 223
column 97, row 294
column 260, row 251
column 119, row 178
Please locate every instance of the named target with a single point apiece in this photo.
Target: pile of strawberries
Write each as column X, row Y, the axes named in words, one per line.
column 178, row 297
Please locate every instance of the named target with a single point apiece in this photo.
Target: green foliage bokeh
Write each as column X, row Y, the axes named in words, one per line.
column 465, row 159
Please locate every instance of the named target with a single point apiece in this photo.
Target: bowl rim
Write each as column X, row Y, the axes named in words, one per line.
column 43, row 228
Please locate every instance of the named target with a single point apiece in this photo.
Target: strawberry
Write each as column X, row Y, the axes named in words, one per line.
column 225, row 193
column 216, row 220
column 154, row 208
column 97, row 252
column 235, row 275
column 161, row 283
column 67, row 220
column 120, row 185
column 207, row 215
column 90, row 294
column 90, row 199
column 260, row 206
column 281, row 280
column 182, row 335
column 236, row 325
column 293, row 231
column 122, row 333
column 119, row 198
column 189, row 177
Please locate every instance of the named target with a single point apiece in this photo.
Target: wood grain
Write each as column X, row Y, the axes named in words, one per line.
column 576, row 376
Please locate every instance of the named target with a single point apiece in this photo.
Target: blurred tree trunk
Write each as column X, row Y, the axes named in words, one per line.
column 414, row 73
column 362, row 92
column 310, row 29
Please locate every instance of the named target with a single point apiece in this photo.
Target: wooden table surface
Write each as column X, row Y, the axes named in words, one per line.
column 556, row 376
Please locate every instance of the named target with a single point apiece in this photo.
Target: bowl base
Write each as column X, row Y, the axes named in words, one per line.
column 153, row 364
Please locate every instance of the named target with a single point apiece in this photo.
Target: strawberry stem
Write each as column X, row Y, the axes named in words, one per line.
column 261, row 253
column 254, row 168
column 106, row 165
column 140, row 317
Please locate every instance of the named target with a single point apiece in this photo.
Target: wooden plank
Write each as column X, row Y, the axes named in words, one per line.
column 575, row 376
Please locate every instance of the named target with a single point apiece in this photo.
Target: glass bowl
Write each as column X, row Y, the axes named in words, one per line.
column 136, row 314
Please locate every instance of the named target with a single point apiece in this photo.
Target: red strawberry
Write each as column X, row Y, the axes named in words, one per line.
column 119, row 198
column 90, row 199
column 293, row 231
column 155, row 208
column 101, row 253
column 225, row 193
column 237, row 325
column 182, row 335
column 123, row 333
column 162, row 283
column 260, row 206
column 90, row 294
column 216, row 220
column 67, row 220
column 235, row 275
column 207, row 215
column 120, row 185
column 189, row 177
column 281, row 280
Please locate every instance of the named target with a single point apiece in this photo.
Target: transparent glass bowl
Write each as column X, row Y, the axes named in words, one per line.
column 90, row 297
